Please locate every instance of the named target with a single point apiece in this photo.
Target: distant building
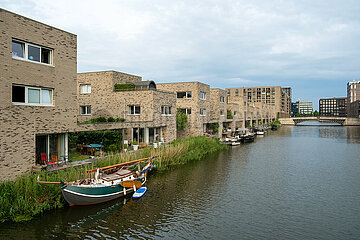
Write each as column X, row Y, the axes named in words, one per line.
column 294, row 109
column 353, row 98
column 305, row 108
column 333, row 107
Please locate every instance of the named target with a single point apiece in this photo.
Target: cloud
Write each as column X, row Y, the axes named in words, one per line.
column 219, row 42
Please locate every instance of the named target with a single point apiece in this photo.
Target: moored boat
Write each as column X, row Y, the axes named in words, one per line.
column 107, row 184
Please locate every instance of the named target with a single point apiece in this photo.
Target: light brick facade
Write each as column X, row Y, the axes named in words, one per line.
column 196, row 121
column 105, row 102
column 261, row 104
column 21, row 124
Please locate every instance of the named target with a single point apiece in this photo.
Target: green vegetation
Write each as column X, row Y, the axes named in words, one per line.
column 229, row 114
column 108, row 138
column 214, row 127
column 103, row 119
column 124, row 87
column 316, row 113
column 181, row 119
column 76, row 156
column 23, row 198
column 276, row 122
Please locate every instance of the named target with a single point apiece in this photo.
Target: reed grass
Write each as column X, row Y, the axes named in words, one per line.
column 23, row 198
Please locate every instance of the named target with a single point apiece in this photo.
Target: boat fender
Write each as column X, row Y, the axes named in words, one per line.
column 124, row 189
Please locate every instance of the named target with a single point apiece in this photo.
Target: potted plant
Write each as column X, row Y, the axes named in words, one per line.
column 135, row 145
column 155, row 145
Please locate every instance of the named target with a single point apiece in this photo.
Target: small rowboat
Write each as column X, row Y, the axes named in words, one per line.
column 139, row 193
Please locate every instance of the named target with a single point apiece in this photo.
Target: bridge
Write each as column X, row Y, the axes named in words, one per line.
column 340, row 120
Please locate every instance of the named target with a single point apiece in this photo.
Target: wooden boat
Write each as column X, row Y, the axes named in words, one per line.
column 107, row 184
column 139, row 193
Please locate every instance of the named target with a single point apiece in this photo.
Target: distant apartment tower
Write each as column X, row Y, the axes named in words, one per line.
column 333, row 107
column 353, row 98
column 305, row 108
column 261, row 102
column 294, row 109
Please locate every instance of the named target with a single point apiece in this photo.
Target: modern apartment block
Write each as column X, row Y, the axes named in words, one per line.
column 353, row 98
column 294, row 109
column 193, row 98
column 38, row 93
column 305, row 107
column 333, row 107
column 149, row 114
column 261, row 103
column 219, row 111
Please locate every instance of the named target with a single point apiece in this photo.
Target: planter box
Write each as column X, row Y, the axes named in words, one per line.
column 135, row 147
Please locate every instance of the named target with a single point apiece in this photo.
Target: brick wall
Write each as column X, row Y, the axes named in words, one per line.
column 19, row 124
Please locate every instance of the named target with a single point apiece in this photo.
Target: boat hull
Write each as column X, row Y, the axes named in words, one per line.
column 79, row 195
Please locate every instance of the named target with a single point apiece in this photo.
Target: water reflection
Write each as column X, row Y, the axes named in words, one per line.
column 295, row 183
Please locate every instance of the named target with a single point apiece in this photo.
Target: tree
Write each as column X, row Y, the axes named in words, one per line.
column 181, row 119
column 229, row 114
column 316, row 113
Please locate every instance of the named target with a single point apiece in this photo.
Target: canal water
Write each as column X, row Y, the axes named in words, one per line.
column 299, row 182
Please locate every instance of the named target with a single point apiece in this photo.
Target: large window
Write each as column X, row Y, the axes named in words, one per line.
column 202, row 95
column 85, row 88
column 165, row 110
column 183, row 94
column 134, row 110
column 31, row 52
column 85, row 110
column 26, row 95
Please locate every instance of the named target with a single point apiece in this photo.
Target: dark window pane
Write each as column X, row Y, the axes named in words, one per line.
column 188, row 95
column 18, row 94
column 45, row 55
column 17, row 49
column 181, row 94
column 34, row 53
column 137, row 109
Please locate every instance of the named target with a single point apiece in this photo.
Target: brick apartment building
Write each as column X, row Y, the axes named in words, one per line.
column 149, row 113
column 38, row 92
column 333, row 107
column 353, row 99
column 193, row 98
column 261, row 103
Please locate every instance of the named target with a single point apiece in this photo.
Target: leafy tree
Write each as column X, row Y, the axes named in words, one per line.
column 181, row 119
column 316, row 113
column 229, row 114
column 298, row 115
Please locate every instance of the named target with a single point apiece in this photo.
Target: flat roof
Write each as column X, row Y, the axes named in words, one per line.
column 1, row 9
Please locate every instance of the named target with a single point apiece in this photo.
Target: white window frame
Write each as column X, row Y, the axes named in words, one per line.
column 202, row 112
column 165, row 110
column 26, row 103
column 187, row 111
column 133, row 107
column 86, row 107
column 202, row 95
column 26, row 53
column 222, row 99
column 85, row 88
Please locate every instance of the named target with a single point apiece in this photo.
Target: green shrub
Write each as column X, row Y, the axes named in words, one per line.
column 124, row 87
column 111, row 119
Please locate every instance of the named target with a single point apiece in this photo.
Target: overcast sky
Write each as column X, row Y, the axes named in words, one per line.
column 312, row 46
